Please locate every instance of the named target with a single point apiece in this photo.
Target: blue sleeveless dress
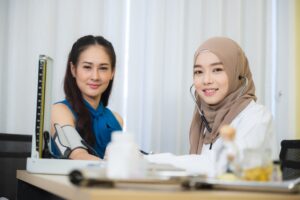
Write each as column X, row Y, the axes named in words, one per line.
column 103, row 122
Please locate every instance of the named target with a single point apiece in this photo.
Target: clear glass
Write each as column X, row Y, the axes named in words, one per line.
column 257, row 165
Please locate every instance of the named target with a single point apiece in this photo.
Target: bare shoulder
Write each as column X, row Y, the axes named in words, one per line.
column 118, row 117
column 62, row 115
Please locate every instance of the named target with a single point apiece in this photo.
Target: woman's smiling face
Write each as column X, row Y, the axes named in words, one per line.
column 210, row 79
column 93, row 72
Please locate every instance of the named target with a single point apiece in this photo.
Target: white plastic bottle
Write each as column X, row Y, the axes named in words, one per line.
column 228, row 155
column 123, row 157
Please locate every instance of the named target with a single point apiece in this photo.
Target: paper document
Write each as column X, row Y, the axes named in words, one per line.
column 193, row 164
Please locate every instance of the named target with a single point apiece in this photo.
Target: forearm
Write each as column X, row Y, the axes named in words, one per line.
column 81, row 154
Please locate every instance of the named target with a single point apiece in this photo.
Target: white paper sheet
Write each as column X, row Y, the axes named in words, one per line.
column 193, row 164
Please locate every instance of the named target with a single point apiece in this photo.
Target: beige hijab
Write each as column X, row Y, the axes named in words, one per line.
column 238, row 97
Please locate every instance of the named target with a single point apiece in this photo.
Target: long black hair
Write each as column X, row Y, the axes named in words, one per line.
column 73, row 93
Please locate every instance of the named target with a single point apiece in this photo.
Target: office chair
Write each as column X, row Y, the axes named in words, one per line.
column 290, row 159
column 14, row 150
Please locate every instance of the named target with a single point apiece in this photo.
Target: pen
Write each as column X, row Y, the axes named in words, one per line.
column 146, row 153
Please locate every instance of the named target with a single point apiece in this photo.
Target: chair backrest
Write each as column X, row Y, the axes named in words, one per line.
column 290, row 159
column 14, row 150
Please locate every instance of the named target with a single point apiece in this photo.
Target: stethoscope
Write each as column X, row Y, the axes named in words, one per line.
column 206, row 124
column 208, row 128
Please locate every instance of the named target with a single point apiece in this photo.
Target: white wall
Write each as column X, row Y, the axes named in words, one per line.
column 155, row 41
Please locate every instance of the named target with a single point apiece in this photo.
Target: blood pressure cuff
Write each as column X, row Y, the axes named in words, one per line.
column 67, row 139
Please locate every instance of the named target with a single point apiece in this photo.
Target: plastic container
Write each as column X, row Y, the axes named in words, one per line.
column 227, row 158
column 257, row 165
column 124, row 160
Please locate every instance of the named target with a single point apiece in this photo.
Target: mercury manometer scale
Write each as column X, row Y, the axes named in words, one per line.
column 43, row 101
column 39, row 162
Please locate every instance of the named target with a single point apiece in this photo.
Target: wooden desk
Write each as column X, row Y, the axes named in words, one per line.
column 61, row 187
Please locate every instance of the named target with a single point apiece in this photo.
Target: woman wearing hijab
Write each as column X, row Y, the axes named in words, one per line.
column 225, row 95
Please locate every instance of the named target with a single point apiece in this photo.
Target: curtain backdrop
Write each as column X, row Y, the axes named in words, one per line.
column 155, row 42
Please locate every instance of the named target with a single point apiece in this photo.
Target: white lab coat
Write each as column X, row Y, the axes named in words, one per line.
column 254, row 130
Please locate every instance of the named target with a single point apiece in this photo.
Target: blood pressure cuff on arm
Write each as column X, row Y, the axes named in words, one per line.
column 67, row 139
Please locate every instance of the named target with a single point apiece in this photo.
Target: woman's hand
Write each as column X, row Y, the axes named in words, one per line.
column 82, row 154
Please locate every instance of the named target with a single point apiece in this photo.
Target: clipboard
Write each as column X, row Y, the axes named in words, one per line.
column 289, row 186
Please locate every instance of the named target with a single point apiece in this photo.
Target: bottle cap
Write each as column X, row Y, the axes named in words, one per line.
column 227, row 133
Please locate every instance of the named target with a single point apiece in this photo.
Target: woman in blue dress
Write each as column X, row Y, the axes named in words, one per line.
column 87, row 85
